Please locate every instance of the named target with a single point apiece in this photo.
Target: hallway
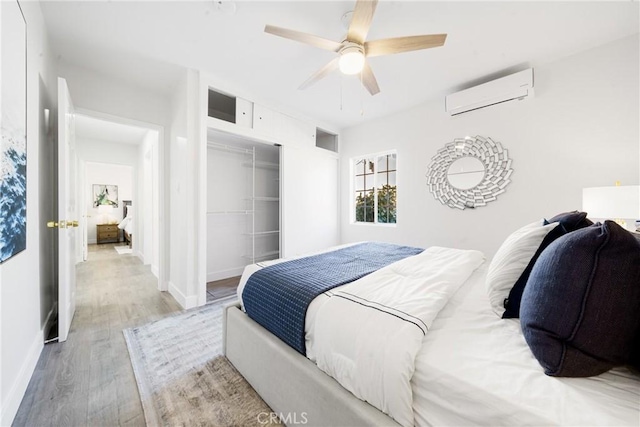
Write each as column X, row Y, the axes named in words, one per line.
column 88, row 380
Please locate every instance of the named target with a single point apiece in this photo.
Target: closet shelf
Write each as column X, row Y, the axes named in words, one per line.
column 263, row 165
column 224, row 147
column 265, row 199
column 263, row 233
column 241, row 212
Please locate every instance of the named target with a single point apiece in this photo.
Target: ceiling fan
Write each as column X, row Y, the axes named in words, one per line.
column 354, row 49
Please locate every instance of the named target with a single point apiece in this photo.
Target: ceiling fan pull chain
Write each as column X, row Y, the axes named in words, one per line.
column 341, row 81
column 361, row 95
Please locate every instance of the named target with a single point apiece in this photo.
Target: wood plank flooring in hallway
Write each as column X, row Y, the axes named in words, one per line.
column 88, row 380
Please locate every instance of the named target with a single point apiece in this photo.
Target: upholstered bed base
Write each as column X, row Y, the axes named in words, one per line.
column 289, row 383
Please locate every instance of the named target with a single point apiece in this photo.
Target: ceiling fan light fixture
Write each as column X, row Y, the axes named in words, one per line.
column 351, row 59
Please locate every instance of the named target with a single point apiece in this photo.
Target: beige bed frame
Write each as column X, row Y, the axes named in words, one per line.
column 289, row 383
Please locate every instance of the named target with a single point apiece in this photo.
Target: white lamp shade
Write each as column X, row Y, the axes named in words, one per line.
column 612, row 202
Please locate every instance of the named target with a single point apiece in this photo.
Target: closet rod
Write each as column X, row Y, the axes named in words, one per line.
column 243, row 212
column 218, row 146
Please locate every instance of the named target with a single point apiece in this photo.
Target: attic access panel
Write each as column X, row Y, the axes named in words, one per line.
column 222, row 106
column 326, row 140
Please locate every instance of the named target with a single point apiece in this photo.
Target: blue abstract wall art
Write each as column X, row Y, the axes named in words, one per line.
column 13, row 121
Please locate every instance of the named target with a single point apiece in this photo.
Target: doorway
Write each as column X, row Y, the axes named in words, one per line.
column 120, row 189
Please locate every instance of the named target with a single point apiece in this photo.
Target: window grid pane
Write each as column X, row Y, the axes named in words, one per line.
column 375, row 189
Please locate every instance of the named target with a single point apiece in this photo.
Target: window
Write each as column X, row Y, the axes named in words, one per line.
column 375, row 188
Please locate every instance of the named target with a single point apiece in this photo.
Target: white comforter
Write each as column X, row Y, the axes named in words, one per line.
column 367, row 335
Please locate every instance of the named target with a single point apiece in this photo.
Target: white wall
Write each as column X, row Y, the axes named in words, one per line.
column 94, row 91
column 23, row 295
column 581, row 130
column 146, row 211
column 106, row 173
column 185, row 170
column 91, row 150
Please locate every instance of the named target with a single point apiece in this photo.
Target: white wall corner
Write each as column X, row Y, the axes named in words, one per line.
column 13, row 399
column 186, row 302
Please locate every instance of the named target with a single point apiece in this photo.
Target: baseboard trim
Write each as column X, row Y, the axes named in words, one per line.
column 155, row 271
column 92, row 241
column 224, row 274
column 10, row 406
column 185, row 302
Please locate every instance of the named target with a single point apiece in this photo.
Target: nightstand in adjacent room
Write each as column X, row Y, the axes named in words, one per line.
column 108, row 233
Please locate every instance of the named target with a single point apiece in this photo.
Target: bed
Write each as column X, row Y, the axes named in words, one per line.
column 472, row 368
column 126, row 225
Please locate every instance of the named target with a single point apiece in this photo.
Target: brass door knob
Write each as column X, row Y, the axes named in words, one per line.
column 62, row 224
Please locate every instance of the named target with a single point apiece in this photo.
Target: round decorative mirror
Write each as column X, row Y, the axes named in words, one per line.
column 469, row 172
column 465, row 172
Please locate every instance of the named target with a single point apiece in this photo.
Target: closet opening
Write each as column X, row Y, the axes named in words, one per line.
column 243, row 209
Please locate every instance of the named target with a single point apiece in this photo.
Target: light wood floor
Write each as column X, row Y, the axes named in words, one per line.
column 88, row 380
column 222, row 288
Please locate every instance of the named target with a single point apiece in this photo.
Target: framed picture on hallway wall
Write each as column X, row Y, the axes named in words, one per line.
column 13, row 127
column 105, row 195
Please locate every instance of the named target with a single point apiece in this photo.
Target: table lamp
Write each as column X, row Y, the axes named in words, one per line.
column 619, row 202
column 105, row 211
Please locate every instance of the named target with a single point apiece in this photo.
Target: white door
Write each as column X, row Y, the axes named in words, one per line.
column 83, row 253
column 309, row 200
column 67, row 210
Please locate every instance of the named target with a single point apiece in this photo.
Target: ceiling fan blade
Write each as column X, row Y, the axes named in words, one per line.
column 320, row 74
column 369, row 80
column 361, row 21
column 303, row 38
column 403, row 44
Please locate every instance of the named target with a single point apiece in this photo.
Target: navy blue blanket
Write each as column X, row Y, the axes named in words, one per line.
column 277, row 297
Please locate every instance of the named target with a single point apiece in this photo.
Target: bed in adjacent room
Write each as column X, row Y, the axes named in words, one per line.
column 471, row 367
column 126, row 225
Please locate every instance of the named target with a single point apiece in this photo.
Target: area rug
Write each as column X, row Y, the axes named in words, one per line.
column 184, row 379
column 123, row 250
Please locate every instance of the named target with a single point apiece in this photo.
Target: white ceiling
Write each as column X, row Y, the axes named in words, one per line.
column 102, row 130
column 142, row 42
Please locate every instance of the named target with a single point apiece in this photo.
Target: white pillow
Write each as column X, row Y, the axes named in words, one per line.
column 512, row 259
column 124, row 223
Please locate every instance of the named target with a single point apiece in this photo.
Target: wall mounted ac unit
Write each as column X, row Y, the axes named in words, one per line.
column 516, row 86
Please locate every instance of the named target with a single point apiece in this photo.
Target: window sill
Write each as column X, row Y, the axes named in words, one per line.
column 373, row 224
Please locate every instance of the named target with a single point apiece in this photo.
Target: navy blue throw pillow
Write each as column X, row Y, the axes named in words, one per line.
column 512, row 303
column 580, row 308
column 572, row 221
column 569, row 221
